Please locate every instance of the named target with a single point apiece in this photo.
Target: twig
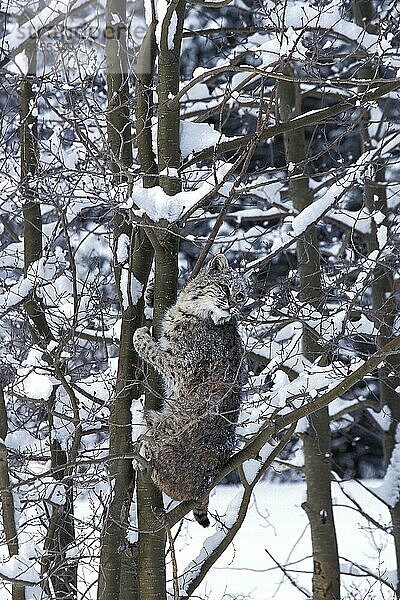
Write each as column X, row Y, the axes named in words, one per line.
column 289, row 577
column 174, row 563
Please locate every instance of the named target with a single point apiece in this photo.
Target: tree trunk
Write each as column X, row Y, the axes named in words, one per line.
column 118, row 571
column 61, row 529
column 384, row 304
column 168, row 111
column 39, row 328
column 115, row 582
column 61, row 532
column 317, row 438
column 384, row 308
column 119, row 132
column 7, row 500
column 164, row 238
column 32, row 252
column 144, row 107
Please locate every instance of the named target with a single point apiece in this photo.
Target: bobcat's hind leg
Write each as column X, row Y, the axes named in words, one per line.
column 155, row 417
column 143, row 460
column 140, row 465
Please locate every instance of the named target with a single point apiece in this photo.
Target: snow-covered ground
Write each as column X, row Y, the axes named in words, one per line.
column 275, row 532
column 277, row 525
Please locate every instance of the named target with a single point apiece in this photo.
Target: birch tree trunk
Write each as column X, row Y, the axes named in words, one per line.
column 61, row 526
column 384, row 304
column 317, row 438
column 164, row 238
column 61, row 529
column 33, row 247
column 7, row 500
column 118, row 561
column 384, row 307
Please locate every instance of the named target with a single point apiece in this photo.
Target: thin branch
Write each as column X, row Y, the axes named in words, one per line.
column 45, row 23
column 305, row 120
column 286, row 574
column 174, row 563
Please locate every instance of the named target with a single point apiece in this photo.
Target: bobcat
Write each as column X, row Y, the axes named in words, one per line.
column 200, row 356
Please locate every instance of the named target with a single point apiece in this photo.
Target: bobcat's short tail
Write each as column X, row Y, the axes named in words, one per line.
column 200, row 513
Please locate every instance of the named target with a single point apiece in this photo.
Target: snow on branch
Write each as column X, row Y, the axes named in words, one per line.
column 158, row 205
column 19, row 569
column 298, row 225
column 58, row 10
column 312, row 117
column 302, row 15
column 193, row 572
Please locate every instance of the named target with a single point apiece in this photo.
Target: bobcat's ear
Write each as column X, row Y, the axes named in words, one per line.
column 219, row 263
column 248, row 277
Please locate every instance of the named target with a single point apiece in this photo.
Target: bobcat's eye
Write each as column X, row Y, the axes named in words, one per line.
column 239, row 297
column 225, row 289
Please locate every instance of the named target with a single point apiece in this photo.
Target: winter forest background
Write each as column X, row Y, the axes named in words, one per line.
column 137, row 142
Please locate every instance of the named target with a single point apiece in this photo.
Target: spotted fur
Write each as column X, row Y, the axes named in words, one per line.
column 200, row 357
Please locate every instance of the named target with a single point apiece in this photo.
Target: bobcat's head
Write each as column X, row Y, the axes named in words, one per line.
column 218, row 292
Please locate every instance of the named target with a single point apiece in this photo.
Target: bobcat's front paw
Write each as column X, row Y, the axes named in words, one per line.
column 142, row 333
column 141, row 339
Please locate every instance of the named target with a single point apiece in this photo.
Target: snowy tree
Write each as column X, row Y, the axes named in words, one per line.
column 136, row 142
